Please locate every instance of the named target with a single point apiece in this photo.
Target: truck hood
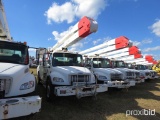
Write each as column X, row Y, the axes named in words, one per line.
column 71, row 70
column 134, row 70
column 6, row 66
column 124, row 69
column 145, row 70
column 107, row 70
column 11, row 69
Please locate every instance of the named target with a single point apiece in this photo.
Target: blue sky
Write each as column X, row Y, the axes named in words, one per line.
column 42, row 22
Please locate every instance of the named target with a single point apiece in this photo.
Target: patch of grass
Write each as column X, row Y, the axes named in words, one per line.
column 111, row 105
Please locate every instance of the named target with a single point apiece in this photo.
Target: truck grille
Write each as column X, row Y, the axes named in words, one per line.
column 153, row 74
column 116, row 77
column 137, row 74
column 80, row 78
column 5, row 85
column 130, row 74
column 147, row 73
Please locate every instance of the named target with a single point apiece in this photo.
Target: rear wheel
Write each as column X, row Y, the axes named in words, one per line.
column 49, row 91
column 119, row 89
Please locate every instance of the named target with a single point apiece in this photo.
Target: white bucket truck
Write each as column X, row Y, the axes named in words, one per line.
column 16, row 80
column 140, row 64
column 125, row 53
column 15, row 77
column 128, row 74
column 104, row 73
column 148, row 74
column 117, row 45
column 62, row 73
column 139, row 76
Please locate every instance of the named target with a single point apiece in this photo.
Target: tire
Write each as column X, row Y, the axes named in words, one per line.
column 119, row 89
column 39, row 81
column 49, row 91
column 96, row 79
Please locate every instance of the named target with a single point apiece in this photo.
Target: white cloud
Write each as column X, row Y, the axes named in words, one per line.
column 147, row 41
column 152, row 49
column 58, row 36
column 107, row 39
column 61, row 13
column 75, row 8
column 76, row 47
column 96, row 41
column 32, row 50
column 156, row 28
column 86, row 40
column 49, row 39
column 136, row 43
column 156, row 57
column 90, row 8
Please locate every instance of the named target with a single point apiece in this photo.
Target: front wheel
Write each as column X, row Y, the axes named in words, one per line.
column 119, row 89
column 39, row 82
column 49, row 91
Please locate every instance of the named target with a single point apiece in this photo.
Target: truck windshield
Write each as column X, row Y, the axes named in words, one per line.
column 13, row 53
column 118, row 64
column 130, row 66
column 141, row 67
column 67, row 59
column 101, row 63
column 147, row 67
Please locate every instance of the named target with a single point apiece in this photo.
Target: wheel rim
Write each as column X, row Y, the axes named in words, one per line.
column 48, row 91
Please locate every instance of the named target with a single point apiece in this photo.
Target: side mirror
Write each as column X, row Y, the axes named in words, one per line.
column 88, row 66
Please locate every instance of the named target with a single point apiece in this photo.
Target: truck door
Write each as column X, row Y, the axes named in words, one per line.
column 47, row 65
column 40, row 62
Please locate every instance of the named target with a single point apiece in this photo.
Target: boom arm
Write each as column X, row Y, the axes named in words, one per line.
column 110, row 45
column 4, row 30
column 130, row 57
column 82, row 29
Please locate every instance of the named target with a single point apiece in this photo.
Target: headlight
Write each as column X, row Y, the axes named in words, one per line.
column 27, row 85
column 56, row 79
column 102, row 77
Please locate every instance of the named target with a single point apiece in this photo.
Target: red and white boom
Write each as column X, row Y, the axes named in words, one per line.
column 122, row 55
column 136, row 60
column 144, row 63
column 79, row 31
column 111, row 45
column 144, row 59
column 130, row 57
column 122, row 52
column 148, row 60
column 127, row 49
